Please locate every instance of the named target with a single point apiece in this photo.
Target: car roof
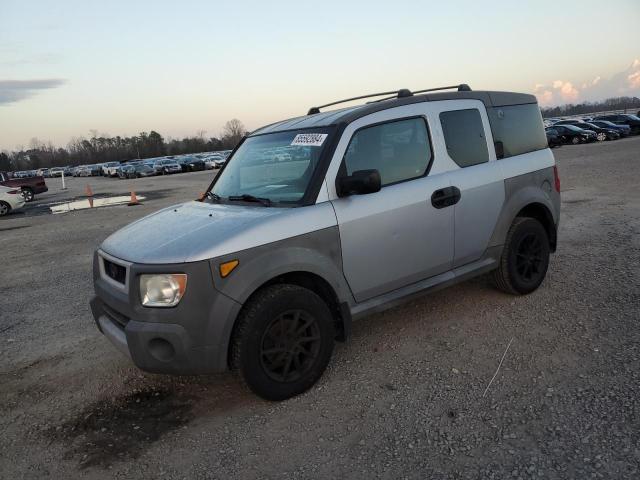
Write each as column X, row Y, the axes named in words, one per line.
column 349, row 114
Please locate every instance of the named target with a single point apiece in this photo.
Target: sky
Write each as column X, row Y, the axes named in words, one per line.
column 179, row 67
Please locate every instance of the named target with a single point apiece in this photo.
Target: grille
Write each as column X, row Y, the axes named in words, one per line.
column 115, row 271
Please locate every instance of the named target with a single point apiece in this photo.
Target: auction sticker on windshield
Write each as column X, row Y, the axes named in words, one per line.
column 309, row 139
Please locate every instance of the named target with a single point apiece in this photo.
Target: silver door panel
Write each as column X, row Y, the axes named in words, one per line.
column 394, row 237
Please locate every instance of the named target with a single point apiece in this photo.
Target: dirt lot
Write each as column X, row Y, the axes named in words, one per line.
column 404, row 399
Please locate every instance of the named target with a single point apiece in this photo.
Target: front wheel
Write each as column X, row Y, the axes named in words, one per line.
column 283, row 341
column 28, row 194
column 601, row 136
column 525, row 257
column 575, row 140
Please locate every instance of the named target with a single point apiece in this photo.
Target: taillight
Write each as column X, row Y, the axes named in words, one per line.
column 13, row 192
column 556, row 178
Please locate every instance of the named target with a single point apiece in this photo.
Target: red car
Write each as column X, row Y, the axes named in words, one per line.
column 29, row 186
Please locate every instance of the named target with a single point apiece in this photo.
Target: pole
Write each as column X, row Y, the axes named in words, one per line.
column 64, row 187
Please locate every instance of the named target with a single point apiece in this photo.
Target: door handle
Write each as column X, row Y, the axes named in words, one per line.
column 445, row 197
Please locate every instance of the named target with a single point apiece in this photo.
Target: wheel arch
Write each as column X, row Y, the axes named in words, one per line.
column 541, row 213
column 528, row 196
column 311, row 281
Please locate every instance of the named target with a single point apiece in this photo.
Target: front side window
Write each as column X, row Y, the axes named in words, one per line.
column 400, row 150
column 277, row 167
column 464, row 137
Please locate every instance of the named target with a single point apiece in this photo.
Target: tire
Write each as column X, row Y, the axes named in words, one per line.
column 295, row 326
column 575, row 140
column 5, row 208
column 28, row 194
column 601, row 136
column 164, row 171
column 525, row 257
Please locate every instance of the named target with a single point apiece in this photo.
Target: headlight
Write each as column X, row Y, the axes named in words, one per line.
column 162, row 290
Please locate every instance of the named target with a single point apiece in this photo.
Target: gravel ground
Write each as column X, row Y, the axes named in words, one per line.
column 405, row 398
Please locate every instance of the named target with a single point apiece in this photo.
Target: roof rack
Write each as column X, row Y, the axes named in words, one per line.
column 403, row 92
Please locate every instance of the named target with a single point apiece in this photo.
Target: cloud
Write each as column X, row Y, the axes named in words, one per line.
column 12, row 91
column 625, row 83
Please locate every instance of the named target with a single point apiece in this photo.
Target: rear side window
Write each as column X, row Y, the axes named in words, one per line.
column 518, row 127
column 464, row 137
column 400, row 150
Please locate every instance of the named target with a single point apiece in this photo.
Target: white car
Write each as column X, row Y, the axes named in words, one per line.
column 110, row 169
column 10, row 199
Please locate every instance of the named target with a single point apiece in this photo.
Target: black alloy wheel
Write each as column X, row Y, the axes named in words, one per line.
column 525, row 257
column 529, row 259
column 283, row 341
column 290, row 345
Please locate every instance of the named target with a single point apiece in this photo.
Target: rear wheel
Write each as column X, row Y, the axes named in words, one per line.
column 28, row 194
column 525, row 258
column 283, row 341
column 5, row 208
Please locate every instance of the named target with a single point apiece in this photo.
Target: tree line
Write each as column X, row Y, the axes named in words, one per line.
column 101, row 148
column 629, row 104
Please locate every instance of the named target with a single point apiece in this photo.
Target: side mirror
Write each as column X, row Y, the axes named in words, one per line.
column 359, row 182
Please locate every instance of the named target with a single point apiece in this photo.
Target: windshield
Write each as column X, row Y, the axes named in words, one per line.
column 275, row 166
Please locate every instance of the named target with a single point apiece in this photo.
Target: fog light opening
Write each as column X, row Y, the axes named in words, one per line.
column 161, row 349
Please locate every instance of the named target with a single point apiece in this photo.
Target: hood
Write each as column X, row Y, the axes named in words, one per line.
column 196, row 231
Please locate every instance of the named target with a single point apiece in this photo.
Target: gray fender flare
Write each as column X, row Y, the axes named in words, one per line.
column 517, row 201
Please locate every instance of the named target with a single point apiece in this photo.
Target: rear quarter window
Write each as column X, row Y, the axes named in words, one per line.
column 518, row 127
column 464, row 137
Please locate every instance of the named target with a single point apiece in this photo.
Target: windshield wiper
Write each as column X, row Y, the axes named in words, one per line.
column 213, row 196
column 250, row 198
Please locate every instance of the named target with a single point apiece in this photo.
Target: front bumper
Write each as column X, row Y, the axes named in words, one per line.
column 191, row 338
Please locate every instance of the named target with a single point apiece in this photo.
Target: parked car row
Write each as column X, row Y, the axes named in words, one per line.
column 166, row 165
column 591, row 129
column 160, row 166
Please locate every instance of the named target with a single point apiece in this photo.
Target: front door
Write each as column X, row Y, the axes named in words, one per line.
column 396, row 236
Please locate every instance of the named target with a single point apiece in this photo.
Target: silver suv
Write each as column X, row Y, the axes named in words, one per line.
column 325, row 218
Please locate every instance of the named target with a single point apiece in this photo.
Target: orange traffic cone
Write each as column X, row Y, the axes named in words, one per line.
column 134, row 199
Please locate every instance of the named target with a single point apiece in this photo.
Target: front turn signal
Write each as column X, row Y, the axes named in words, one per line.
column 227, row 267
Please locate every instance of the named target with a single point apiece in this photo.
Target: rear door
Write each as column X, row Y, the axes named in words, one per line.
column 393, row 237
column 464, row 128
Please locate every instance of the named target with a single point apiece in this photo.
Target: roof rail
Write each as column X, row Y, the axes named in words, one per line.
column 463, row 87
column 402, row 93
